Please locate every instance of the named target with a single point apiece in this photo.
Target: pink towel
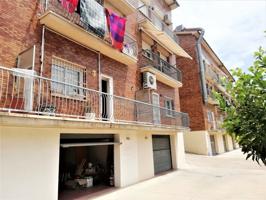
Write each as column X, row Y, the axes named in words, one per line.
column 70, row 5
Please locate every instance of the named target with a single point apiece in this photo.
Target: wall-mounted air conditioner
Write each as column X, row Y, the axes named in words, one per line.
column 167, row 19
column 149, row 81
column 148, row 54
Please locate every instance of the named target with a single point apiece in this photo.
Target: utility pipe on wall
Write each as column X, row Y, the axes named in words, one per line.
column 99, row 70
column 202, row 70
column 42, row 50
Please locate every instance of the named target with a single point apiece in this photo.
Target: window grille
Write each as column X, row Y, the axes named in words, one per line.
column 68, row 75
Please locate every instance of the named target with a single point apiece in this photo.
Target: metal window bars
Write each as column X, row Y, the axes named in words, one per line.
column 150, row 58
column 21, row 91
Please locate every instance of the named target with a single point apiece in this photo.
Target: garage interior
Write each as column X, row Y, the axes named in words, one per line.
column 86, row 164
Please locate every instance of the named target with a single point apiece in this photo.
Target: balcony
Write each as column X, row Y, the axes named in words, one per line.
column 215, row 126
column 24, row 93
column 215, row 79
column 127, row 7
column 211, row 97
column 151, row 24
column 95, row 37
column 164, row 72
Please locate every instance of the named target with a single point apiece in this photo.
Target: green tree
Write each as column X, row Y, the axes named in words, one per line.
column 246, row 113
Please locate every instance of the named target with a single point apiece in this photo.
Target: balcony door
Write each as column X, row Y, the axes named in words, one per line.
column 156, row 108
column 106, row 102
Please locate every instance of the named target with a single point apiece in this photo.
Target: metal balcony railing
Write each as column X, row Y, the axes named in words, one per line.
column 214, row 76
column 150, row 58
column 216, row 125
column 21, row 91
column 97, row 26
column 148, row 13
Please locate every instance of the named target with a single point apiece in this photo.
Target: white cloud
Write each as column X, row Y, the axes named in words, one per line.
column 234, row 28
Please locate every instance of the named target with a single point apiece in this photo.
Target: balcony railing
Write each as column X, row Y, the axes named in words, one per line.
column 98, row 25
column 149, row 14
column 216, row 125
column 150, row 58
column 214, row 76
column 23, row 92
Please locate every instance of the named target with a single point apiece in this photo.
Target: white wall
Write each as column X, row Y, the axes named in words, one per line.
column 229, row 140
column 219, row 143
column 145, row 157
column 178, row 150
column 133, row 158
column 29, row 161
column 126, row 160
column 196, row 142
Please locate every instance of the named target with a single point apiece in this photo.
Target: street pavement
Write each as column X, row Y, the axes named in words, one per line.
column 224, row 177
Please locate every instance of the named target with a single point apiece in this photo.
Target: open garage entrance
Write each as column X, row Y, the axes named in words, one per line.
column 86, row 164
column 161, row 153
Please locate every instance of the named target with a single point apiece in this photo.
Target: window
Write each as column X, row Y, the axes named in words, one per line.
column 210, row 116
column 169, row 105
column 69, row 75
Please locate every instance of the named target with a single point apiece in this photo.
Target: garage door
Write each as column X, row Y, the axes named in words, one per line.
column 161, row 153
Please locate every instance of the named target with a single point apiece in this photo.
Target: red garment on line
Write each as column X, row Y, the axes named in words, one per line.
column 117, row 27
column 70, row 5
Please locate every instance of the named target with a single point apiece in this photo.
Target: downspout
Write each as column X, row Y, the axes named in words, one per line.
column 99, row 82
column 42, row 50
column 99, row 70
column 202, row 70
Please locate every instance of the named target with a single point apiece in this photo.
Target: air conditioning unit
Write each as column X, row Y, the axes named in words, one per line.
column 167, row 20
column 149, row 81
column 148, row 54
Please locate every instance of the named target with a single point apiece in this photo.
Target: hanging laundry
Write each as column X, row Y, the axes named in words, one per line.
column 117, row 27
column 70, row 5
column 93, row 17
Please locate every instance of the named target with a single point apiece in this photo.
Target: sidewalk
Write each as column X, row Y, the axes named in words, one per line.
column 224, row 177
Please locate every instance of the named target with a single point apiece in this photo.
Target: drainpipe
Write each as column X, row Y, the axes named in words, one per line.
column 42, row 50
column 99, row 70
column 202, row 70
column 46, row 5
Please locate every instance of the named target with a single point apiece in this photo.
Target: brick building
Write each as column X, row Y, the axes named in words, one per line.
column 75, row 111
column 203, row 75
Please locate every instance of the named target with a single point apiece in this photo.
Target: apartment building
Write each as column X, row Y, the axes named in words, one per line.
column 202, row 76
column 80, row 108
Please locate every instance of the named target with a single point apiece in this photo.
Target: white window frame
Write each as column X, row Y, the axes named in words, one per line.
column 169, row 110
column 66, row 67
column 156, row 109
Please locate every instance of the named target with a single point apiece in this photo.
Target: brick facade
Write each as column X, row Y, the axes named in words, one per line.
column 191, row 97
column 191, row 100
column 20, row 29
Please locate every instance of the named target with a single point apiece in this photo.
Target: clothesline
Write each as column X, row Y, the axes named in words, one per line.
column 98, row 19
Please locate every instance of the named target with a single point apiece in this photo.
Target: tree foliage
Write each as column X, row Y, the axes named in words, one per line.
column 246, row 114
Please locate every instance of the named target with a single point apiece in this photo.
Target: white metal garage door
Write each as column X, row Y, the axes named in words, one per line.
column 161, row 153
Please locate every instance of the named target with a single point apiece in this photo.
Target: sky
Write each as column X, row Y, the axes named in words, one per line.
column 233, row 28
